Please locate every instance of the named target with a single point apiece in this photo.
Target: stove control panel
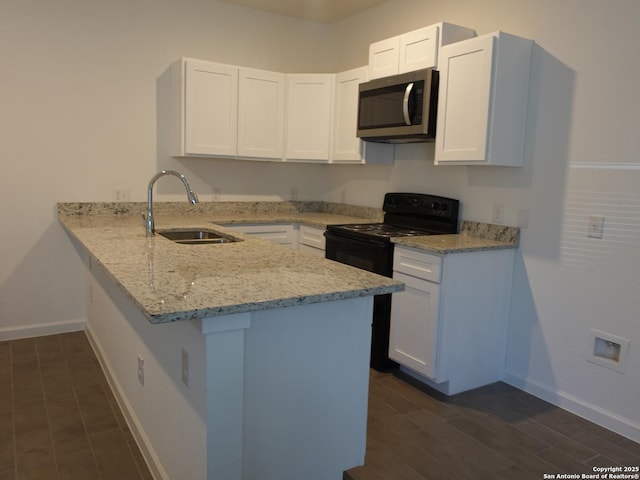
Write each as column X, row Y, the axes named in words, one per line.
column 422, row 205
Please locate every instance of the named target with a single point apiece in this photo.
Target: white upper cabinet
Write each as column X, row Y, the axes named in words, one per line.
column 261, row 105
column 418, row 49
column 204, row 108
column 482, row 104
column 384, row 57
column 309, row 116
column 345, row 146
column 413, row 50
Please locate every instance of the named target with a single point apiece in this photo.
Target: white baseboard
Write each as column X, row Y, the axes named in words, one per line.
column 141, row 438
column 41, row 329
column 593, row 413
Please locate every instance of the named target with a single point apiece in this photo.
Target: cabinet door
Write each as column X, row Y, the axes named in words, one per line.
column 419, row 49
column 280, row 233
column 345, row 146
column 261, row 114
column 384, row 57
column 312, row 238
column 464, row 100
column 413, row 339
column 211, row 108
column 309, row 110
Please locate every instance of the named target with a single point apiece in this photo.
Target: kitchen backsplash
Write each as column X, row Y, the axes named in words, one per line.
column 491, row 231
column 184, row 208
column 476, row 229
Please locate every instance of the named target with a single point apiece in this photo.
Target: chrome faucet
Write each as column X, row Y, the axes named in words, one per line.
column 148, row 219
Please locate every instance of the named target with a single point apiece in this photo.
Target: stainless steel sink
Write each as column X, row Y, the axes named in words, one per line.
column 197, row 236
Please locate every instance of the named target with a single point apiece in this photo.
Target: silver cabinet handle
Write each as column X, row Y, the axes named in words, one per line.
column 405, row 104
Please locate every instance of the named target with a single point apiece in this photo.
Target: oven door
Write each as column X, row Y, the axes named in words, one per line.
column 376, row 257
column 373, row 256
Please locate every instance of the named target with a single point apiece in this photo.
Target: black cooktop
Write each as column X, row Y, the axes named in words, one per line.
column 406, row 215
column 379, row 230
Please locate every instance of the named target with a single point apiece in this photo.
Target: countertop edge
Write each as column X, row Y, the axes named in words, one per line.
column 229, row 309
column 270, row 304
column 452, row 244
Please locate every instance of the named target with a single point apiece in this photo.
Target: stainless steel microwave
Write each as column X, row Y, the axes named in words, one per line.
column 399, row 109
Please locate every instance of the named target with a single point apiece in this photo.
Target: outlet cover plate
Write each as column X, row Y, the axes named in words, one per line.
column 595, row 228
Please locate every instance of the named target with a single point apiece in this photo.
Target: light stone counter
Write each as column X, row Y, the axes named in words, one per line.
column 473, row 237
column 312, row 213
column 169, row 281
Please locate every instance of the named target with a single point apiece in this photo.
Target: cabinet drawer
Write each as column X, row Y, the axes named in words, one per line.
column 417, row 264
column 313, row 237
column 283, row 234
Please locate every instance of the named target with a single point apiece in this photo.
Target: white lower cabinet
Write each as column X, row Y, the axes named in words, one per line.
column 280, row 233
column 448, row 328
column 299, row 237
column 413, row 338
column 311, row 239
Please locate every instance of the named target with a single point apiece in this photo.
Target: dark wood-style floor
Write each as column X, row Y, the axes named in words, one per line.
column 58, row 417
column 495, row 432
column 59, row 421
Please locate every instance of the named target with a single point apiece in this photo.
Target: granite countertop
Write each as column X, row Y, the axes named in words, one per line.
column 442, row 244
column 473, row 237
column 168, row 281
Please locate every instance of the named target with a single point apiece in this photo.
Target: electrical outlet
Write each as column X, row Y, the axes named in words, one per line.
column 185, row 367
column 498, row 213
column 141, row 369
column 595, row 228
column 523, row 218
column 120, row 194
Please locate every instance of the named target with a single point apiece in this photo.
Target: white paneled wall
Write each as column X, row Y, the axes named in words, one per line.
column 582, row 153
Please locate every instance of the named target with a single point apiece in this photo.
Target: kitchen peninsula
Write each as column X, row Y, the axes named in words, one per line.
column 237, row 360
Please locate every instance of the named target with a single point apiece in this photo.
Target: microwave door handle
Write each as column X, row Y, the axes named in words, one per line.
column 405, row 104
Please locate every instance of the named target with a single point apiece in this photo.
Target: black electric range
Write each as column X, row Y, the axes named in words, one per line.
column 368, row 246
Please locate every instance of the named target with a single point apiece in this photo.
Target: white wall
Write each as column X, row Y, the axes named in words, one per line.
column 582, row 158
column 79, row 101
column 80, row 93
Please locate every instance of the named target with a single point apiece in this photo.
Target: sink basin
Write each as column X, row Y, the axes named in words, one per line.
column 197, row 237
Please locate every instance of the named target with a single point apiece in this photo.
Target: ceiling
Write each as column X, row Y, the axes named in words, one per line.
column 324, row 11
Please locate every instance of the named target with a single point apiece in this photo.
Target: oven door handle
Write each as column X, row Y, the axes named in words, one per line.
column 341, row 239
column 405, row 104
